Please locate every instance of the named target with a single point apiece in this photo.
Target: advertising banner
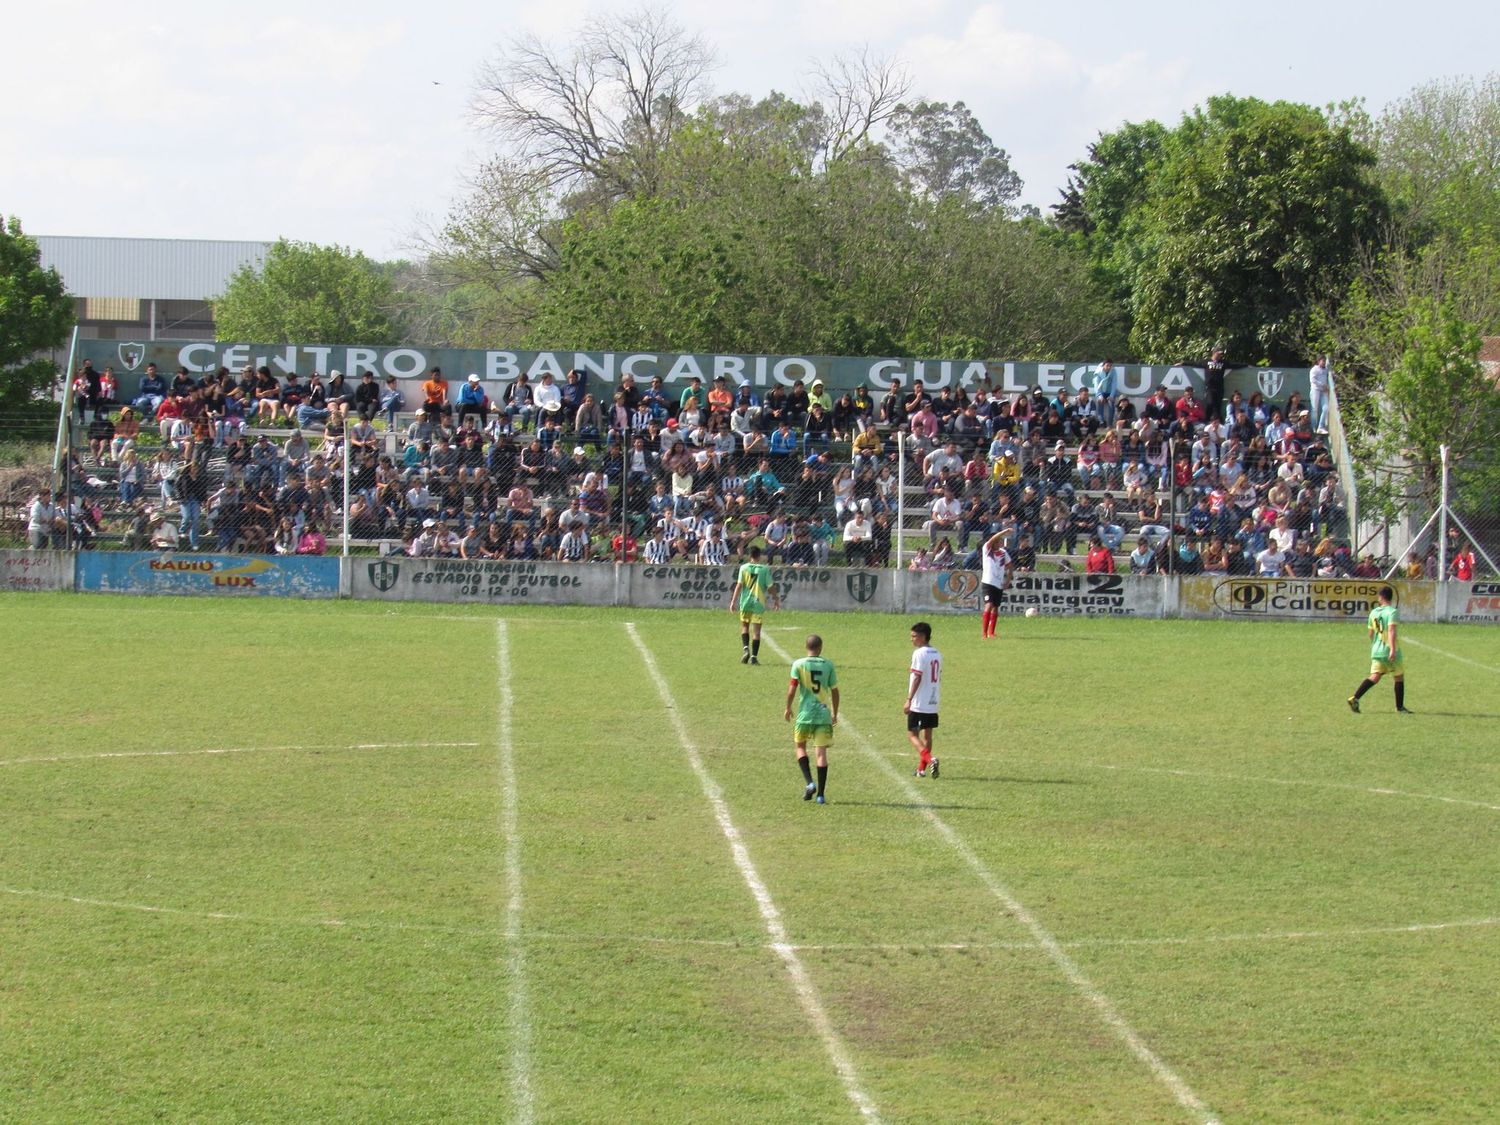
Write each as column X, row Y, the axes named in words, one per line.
column 1474, row 602
column 401, row 579
column 816, row 589
column 496, row 368
column 36, row 570
column 1074, row 595
column 1311, row 599
column 136, row 572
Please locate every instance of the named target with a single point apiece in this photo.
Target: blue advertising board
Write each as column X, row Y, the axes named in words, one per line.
column 139, row 572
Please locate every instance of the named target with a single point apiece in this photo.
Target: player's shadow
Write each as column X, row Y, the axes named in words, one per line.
column 919, row 806
column 1458, row 714
column 960, row 778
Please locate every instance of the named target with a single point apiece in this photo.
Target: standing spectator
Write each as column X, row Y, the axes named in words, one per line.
column 1321, row 380
column 192, row 491
column 44, row 522
column 1214, row 372
column 1462, row 565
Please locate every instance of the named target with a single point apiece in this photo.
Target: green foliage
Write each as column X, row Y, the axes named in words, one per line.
column 35, row 315
column 307, row 292
column 1439, row 150
column 749, row 247
column 946, row 153
column 1225, row 230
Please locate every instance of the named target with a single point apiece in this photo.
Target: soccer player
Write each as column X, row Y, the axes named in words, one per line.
column 994, row 578
column 1385, row 651
column 815, row 687
column 753, row 589
column 922, row 696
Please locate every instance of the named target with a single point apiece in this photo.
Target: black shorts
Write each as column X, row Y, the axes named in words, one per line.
column 992, row 595
column 921, row 720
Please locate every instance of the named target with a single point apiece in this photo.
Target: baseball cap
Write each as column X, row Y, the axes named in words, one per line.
column 671, row 423
column 577, row 449
column 429, row 523
column 335, row 373
column 473, row 378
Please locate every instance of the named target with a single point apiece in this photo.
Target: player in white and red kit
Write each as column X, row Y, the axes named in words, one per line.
column 922, row 696
column 994, row 578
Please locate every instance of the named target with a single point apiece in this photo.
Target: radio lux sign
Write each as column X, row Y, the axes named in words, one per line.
column 497, row 367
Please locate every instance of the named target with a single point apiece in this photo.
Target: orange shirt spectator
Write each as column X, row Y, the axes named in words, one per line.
column 436, row 389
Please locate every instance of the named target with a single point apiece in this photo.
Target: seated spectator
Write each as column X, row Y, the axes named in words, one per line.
column 778, row 536
column 943, row 515
column 858, row 533
column 1100, row 559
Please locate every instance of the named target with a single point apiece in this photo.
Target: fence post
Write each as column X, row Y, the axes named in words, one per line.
column 900, row 495
column 1443, row 516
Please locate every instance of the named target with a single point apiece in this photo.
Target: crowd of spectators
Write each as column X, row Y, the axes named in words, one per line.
column 553, row 470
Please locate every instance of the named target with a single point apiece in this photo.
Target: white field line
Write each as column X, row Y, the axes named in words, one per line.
column 237, row 750
column 781, row 944
column 1298, row 783
column 1450, row 655
column 546, row 937
column 251, row 919
column 1043, row 938
column 520, row 1015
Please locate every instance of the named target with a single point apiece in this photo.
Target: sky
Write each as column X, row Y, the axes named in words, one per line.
column 349, row 123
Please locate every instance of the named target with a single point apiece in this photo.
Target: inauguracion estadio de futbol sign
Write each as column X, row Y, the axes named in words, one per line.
column 497, row 367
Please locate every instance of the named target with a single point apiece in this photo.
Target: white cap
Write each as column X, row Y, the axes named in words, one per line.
column 473, row 378
column 429, row 523
column 577, row 449
column 335, row 373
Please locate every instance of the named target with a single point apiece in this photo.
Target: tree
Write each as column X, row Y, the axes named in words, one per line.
column 860, row 92
column 1438, row 152
column 595, row 116
column 946, row 154
column 35, row 315
column 306, row 292
column 1227, row 229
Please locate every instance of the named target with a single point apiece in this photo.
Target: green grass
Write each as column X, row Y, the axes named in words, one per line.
column 325, row 940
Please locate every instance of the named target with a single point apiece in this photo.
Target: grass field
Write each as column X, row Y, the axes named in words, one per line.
column 258, row 861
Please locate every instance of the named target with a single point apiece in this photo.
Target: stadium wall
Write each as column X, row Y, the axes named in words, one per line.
column 409, row 366
column 818, row 589
column 36, row 570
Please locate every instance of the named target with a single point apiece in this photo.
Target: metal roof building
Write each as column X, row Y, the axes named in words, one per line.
column 129, row 288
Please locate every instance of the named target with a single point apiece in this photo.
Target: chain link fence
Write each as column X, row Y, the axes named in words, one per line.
column 1432, row 520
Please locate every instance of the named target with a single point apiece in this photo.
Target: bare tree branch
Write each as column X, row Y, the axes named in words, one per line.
column 859, row 92
column 600, row 112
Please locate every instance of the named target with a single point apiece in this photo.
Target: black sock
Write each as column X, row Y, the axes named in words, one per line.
column 1363, row 687
column 1400, row 694
column 755, row 647
column 745, row 640
column 822, row 779
column 806, row 769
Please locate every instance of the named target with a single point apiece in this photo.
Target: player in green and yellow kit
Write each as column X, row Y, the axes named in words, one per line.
column 815, row 687
column 1385, row 651
column 754, row 588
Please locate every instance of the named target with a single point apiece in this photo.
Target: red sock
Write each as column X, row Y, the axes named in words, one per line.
column 924, row 759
